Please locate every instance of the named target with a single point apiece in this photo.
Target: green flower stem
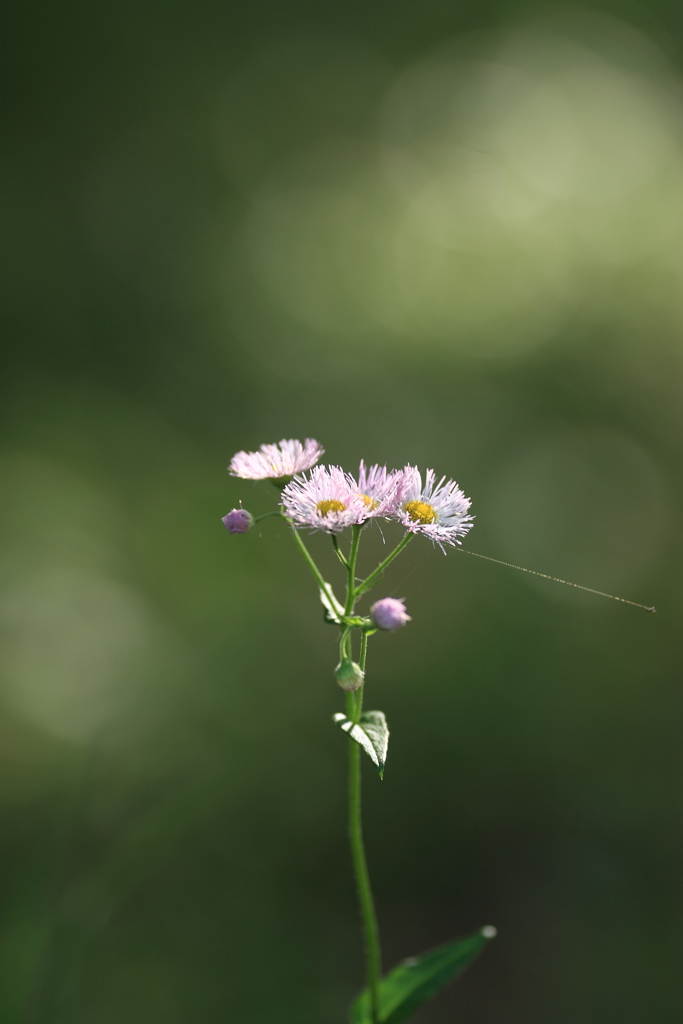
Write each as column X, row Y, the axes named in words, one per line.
column 351, row 585
column 374, row 576
column 277, row 512
column 338, row 551
column 373, row 959
column 363, row 659
column 354, row 704
column 344, row 645
column 313, row 567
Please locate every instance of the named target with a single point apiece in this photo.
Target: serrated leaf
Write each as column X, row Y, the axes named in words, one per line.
column 371, row 732
column 333, row 609
column 419, row 978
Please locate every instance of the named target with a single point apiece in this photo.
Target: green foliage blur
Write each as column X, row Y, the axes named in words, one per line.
column 442, row 234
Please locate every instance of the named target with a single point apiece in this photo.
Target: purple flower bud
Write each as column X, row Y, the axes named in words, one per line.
column 238, row 520
column 389, row 613
column 349, row 675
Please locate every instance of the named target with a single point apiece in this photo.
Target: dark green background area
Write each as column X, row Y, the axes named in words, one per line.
column 172, row 788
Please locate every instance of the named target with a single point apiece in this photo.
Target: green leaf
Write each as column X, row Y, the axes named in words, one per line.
column 333, row 609
column 371, row 732
column 419, row 978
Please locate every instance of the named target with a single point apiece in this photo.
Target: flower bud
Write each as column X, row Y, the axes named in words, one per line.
column 389, row 613
column 238, row 520
column 349, row 675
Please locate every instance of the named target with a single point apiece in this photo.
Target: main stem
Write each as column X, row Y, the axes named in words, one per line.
column 354, row 704
column 373, row 959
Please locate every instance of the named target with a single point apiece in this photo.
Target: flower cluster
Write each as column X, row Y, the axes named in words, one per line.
column 328, row 498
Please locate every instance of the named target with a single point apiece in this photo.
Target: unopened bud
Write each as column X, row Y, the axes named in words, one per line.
column 238, row 520
column 389, row 613
column 349, row 675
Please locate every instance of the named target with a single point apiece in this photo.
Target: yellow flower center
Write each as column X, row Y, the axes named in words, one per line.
column 330, row 505
column 369, row 502
column 420, row 512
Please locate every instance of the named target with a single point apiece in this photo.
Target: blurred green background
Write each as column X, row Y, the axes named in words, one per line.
column 450, row 235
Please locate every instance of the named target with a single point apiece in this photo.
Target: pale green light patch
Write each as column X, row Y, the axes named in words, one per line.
column 506, row 184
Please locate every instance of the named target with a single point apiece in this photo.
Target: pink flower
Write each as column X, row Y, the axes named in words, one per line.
column 438, row 510
column 379, row 489
column 327, row 499
column 275, row 461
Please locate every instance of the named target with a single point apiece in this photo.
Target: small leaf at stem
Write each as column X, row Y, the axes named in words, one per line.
column 333, row 609
column 419, row 978
column 371, row 733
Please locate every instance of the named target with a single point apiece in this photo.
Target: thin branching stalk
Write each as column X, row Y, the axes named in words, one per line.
column 338, row 551
column 313, row 567
column 375, row 575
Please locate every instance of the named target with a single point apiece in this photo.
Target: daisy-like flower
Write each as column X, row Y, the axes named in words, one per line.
column 275, row 461
column 438, row 510
column 327, row 499
column 379, row 489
